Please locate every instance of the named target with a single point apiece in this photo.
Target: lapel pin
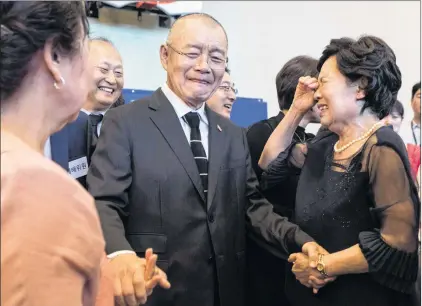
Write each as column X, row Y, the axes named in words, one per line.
column 219, row 128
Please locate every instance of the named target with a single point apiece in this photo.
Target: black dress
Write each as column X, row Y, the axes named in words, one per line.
column 341, row 203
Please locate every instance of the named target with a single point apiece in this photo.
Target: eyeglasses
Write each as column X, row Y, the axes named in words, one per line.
column 227, row 88
column 214, row 61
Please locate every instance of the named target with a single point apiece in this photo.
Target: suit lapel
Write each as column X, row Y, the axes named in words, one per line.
column 60, row 148
column 166, row 120
column 216, row 139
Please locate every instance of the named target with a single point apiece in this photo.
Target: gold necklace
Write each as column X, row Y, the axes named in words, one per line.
column 366, row 135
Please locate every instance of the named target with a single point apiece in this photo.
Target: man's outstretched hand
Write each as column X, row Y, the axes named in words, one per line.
column 135, row 278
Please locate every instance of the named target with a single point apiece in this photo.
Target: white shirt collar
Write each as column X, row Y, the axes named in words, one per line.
column 95, row 113
column 180, row 107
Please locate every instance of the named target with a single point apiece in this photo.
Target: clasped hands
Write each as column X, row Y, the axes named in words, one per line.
column 135, row 278
column 304, row 266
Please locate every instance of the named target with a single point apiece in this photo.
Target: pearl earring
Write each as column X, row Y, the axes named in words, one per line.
column 57, row 85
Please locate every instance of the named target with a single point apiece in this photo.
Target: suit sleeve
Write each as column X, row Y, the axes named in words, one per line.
column 109, row 179
column 257, row 137
column 270, row 230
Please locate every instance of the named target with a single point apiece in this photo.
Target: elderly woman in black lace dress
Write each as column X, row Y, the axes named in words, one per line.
column 355, row 195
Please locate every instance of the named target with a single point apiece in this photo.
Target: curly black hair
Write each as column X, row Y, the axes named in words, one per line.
column 372, row 63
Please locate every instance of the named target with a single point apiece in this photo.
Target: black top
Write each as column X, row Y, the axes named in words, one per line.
column 342, row 203
column 281, row 195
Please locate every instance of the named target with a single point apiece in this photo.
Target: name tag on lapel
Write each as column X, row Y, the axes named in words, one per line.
column 78, row 167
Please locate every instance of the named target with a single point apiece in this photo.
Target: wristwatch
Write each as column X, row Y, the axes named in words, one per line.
column 321, row 265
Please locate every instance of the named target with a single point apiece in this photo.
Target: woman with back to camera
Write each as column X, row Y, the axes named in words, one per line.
column 51, row 239
column 355, row 195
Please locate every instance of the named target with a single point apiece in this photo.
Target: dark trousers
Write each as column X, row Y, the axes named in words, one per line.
column 265, row 277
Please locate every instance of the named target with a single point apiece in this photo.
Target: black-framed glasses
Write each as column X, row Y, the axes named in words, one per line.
column 227, row 88
column 214, row 61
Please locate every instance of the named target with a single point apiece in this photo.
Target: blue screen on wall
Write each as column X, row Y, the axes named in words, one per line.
column 246, row 111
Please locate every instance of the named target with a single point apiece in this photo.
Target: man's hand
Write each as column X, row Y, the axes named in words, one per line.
column 134, row 278
column 153, row 275
column 307, row 276
column 312, row 250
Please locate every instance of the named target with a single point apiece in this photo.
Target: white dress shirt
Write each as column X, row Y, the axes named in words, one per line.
column 47, row 146
column 181, row 109
column 410, row 132
column 47, row 149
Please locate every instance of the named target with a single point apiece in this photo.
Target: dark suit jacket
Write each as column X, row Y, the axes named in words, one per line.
column 71, row 143
column 149, row 194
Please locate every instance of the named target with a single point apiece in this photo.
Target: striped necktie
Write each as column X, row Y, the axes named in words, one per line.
column 93, row 121
column 197, row 148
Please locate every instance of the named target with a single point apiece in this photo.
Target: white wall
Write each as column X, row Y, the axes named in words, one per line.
column 263, row 35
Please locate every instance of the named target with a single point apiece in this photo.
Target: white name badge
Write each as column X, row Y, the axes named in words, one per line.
column 78, row 167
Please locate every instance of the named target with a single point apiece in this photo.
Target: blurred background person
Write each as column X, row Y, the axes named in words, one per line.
column 285, row 81
column 51, row 240
column 411, row 131
column 105, row 87
column 72, row 147
column 266, row 280
column 395, row 118
column 223, row 98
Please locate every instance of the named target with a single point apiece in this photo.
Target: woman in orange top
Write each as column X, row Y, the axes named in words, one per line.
column 51, row 240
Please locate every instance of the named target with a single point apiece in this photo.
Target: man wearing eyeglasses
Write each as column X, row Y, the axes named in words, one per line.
column 222, row 100
column 172, row 175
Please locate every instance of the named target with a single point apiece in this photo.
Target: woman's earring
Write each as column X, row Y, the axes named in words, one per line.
column 57, row 85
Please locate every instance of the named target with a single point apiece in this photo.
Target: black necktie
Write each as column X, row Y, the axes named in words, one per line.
column 94, row 120
column 197, row 148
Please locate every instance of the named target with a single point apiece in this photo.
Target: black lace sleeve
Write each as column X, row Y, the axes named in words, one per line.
column 279, row 170
column 391, row 251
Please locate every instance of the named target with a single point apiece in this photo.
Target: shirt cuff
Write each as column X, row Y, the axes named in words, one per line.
column 114, row 254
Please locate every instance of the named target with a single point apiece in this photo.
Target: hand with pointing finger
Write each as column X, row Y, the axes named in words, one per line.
column 134, row 278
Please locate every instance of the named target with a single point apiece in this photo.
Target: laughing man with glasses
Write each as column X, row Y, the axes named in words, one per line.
column 224, row 97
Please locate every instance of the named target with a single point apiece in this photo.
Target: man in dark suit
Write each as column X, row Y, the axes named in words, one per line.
column 266, row 281
column 73, row 146
column 68, row 148
column 171, row 174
